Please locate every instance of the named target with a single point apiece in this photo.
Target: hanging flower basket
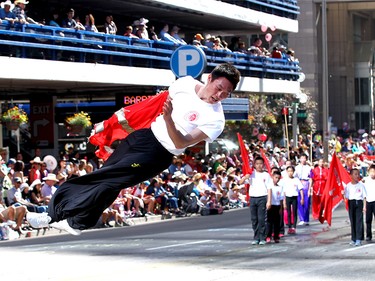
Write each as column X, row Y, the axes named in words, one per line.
column 14, row 117
column 75, row 129
column 77, row 122
column 12, row 125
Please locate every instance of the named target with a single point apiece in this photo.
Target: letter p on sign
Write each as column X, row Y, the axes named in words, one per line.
column 188, row 60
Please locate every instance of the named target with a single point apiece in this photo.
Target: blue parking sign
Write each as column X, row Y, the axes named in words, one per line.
column 188, row 60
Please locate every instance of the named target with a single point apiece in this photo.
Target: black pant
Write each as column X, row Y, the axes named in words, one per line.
column 82, row 200
column 282, row 226
column 273, row 222
column 370, row 212
column 291, row 202
column 258, row 213
column 356, row 219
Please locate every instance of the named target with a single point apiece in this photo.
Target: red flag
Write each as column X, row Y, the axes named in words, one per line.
column 345, row 179
column 265, row 159
column 332, row 194
column 246, row 169
column 125, row 121
column 245, row 156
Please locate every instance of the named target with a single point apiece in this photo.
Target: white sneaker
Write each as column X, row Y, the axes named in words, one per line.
column 38, row 220
column 301, row 223
column 11, row 223
column 64, row 225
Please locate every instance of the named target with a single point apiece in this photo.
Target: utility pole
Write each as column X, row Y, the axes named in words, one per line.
column 295, row 124
column 372, row 123
column 325, row 97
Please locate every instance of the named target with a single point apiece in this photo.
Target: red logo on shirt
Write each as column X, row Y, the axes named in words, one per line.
column 192, row 116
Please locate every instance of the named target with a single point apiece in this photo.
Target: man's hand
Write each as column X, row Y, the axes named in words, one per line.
column 167, row 110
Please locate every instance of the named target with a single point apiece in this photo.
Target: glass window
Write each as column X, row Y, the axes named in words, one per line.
column 356, row 91
column 362, row 120
column 362, row 91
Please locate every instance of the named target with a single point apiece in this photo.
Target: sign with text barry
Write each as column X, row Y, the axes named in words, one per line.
column 42, row 123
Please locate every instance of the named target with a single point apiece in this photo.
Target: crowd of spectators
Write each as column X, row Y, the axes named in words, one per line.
column 217, row 180
column 141, row 29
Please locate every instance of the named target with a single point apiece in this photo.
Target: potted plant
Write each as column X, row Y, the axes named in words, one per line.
column 14, row 117
column 77, row 122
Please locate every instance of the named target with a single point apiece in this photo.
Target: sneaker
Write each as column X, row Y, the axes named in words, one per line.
column 352, row 243
column 38, row 220
column 11, row 223
column 63, row 225
column 255, row 242
column 294, row 231
column 301, row 223
column 368, row 239
column 358, row 243
column 281, row 235
column 268, row 240
column 128, row 222
column 277, row 240
column 290, row 231
column 262, row 242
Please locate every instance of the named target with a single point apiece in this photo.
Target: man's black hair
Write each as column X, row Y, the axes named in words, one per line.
column 228, row 71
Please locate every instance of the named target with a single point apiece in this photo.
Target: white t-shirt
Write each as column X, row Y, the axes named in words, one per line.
column 370, row 189
column 355, row 191
column 138, row 192
column 189, row 112
column 303, row 172
column 277, row 193
column 291, row 186
column 259, row 184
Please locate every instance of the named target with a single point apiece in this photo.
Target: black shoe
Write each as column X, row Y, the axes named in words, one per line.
column 368, row 239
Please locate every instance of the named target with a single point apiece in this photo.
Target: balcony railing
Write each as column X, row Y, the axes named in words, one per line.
column 282, row 8
column 52, row 43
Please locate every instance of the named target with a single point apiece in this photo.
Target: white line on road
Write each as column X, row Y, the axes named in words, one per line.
column 179, row 245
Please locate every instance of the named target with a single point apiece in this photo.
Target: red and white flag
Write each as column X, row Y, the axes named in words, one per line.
column 124, row 121
column 338, row 178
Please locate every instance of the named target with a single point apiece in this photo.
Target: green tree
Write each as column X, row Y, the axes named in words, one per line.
column 265, row 116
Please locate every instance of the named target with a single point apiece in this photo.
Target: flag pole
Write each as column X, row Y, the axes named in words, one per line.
column 286, row 134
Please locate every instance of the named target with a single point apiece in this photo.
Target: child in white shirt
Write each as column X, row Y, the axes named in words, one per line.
column 291, row 187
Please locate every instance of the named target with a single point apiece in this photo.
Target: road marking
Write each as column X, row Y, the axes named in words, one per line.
column 228, row 229
column 358, row 248
column 179, row 245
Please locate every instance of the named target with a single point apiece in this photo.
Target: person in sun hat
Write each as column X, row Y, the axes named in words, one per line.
column 19, row 11
column 35, row 171
column 141, row 30
column 49, row 188
column 6, row 12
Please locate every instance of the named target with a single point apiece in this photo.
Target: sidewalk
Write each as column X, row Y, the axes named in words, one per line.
column 131, row 221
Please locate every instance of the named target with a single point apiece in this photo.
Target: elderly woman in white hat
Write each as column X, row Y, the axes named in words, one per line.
column 49, row 188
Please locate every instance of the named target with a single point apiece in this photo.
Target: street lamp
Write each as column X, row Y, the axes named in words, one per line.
column 325, row 98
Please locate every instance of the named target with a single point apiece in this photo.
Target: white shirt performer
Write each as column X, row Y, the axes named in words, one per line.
column 369, row 182
column 191, row 113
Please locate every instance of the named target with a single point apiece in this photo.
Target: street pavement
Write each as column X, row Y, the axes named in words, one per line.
column 340, row 225
column 210, row 248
